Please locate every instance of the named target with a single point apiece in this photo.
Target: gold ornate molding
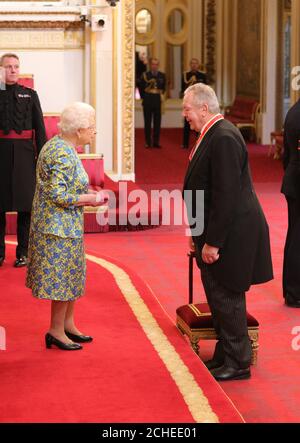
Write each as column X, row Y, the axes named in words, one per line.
column 128, row 84
column 37, row 12
column 210, row 40
column 281, row 20
column 115, row 15
column 149, row 37
column 41, row 39
column 180, row 37
column 34, row 1
column 93, row 74
column 73, row 38
column 42, row 24
column 263, row 54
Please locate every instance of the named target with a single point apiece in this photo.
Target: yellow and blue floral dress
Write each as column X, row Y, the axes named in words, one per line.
column 56, row 259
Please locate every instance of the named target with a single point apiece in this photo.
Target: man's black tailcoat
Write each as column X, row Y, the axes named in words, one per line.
column 233, row 218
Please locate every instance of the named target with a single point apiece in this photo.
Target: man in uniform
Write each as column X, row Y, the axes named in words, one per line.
column 22, row 135
column 189, row 78
column 152, row 87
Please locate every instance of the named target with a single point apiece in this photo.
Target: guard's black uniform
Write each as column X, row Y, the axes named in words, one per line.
column 291, row 189
column 189, row 78
column 152, row 86
column 22, row 135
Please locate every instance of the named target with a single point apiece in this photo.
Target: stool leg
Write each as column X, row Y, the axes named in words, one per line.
column 194, row 343
column 181, row 330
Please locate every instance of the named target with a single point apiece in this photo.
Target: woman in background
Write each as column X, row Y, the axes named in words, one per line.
column 56, row 260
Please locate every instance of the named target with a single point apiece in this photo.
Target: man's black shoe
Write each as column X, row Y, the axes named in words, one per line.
column 225, row 373
column 156, row 145
column 291, row 301
column 1, row 260
column 20, row 262
column 147, row 146
column 213, row 364
column 184, row 147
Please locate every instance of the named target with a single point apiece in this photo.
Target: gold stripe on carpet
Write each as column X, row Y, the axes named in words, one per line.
column 193, row 395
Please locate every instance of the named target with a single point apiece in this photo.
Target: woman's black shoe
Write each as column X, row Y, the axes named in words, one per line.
column 20, row 262
column 50, row 340
column 1, row 260
column 79, row 338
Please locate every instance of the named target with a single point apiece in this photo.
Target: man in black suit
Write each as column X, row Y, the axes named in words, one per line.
column 22, row 135
column 233, row 251
column 152, row 87
column 190, row 78
column 291, row 189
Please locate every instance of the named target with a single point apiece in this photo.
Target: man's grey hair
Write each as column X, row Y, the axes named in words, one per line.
column 204, row 94
column 76, row 116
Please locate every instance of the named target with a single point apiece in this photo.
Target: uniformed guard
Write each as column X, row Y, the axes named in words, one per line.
column 189, row 78
column 22, row 135
column 152, row 87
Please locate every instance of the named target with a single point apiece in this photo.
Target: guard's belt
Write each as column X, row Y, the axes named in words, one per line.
column 25, row 135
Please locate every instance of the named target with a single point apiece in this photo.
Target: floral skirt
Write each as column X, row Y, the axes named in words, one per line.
column 56, row 267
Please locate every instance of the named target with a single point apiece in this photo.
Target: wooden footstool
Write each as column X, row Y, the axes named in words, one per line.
column 195, row 321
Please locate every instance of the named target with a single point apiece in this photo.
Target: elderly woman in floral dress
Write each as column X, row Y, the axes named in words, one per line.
column 56, row 260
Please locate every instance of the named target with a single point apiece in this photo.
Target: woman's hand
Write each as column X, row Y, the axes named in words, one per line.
column 96, row 199
column 91, row 199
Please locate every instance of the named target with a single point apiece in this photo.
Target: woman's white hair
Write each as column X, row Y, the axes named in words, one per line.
column 76, row 116
column 204, row 94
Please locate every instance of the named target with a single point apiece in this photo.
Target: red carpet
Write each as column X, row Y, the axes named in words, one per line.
column 168, row 165
column 106, row 381
column 159, row 257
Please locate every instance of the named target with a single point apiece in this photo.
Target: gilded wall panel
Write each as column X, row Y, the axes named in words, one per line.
column 28, row 39
column 248, row 48
column 128, row 85
column 74, row 39
column 41, row 39
column 210, row 55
